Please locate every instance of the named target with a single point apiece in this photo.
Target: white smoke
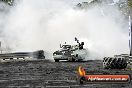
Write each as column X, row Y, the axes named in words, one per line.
column 44, row 24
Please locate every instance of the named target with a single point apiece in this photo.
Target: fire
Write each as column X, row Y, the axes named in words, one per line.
column 99, row 78
column 81, row 71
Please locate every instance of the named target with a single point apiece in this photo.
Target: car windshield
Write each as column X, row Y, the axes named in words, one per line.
column 66, row 46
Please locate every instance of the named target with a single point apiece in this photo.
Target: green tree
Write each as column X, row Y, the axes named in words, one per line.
column 130, row 3
column 9, row 2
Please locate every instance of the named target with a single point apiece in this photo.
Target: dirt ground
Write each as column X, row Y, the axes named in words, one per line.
column 46, row 74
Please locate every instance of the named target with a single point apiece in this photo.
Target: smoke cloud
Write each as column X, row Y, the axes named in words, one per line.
column 43, row 24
